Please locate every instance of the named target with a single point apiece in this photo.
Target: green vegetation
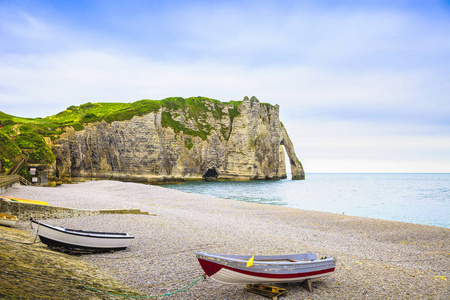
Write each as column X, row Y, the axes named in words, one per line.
column 30, row 140
column 168, row 121
column 234, row 112
column 7, row 146
column 188, row 143
column 19, row 136
column 197, row 109
column 6, row 164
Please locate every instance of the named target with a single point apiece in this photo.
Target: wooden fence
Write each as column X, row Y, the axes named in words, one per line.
column 7, row 181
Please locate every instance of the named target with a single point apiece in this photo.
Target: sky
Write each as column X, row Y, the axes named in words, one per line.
column 363, row 86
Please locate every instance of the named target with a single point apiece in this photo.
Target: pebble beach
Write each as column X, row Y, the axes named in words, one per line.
column 376, row 259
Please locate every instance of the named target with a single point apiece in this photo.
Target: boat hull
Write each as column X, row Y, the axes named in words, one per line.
column 77, row 239
column 265, row 269
column 7, row 220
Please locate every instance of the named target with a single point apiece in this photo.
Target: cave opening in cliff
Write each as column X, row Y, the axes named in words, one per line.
column 211, row 174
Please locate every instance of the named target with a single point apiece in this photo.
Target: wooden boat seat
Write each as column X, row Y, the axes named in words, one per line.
column 275, row 260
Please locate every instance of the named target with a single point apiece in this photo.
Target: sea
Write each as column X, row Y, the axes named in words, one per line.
column 413, row 198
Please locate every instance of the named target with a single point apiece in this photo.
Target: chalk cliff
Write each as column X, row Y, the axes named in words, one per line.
column 238, row 140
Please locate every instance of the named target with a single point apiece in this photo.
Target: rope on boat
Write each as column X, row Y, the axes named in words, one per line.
column 183, row 289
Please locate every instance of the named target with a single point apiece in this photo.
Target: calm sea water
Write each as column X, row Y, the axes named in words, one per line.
column 414, row 198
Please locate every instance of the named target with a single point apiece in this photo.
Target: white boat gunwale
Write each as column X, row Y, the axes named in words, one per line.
column 93, row 234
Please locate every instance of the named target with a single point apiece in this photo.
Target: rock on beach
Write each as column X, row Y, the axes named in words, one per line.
column 376, row 259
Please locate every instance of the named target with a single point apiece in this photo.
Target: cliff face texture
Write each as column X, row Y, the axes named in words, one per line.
column 227, row 141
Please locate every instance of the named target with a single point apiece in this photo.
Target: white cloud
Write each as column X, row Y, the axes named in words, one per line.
column 85, row 76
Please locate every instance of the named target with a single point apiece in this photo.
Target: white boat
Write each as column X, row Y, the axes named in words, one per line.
column 54, row 236
column 7, row 220
column 236, row 269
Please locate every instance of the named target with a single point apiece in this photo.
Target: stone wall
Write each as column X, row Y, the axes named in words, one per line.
column 25, row 211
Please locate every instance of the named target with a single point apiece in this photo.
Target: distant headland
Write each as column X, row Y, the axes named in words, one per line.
column 150, row 141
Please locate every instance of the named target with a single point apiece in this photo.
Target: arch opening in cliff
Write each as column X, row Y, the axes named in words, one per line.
column 211, row 175
column 286, row 161
column 292, row 164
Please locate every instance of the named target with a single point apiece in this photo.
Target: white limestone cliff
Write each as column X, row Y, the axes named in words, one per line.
column 246, row 145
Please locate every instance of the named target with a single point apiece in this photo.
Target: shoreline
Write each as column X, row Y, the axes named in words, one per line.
column 375, row 258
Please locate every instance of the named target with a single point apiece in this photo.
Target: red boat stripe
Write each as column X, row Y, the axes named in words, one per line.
column 211, row 268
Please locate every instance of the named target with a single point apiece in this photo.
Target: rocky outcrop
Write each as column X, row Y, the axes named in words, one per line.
column 228, row 141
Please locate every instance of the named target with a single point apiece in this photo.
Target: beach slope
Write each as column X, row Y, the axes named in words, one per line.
column 376, row 259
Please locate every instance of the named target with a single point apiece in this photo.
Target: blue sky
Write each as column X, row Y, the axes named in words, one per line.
column 363, row 86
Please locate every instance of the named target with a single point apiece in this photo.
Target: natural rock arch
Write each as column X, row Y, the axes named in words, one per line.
column 296, row 167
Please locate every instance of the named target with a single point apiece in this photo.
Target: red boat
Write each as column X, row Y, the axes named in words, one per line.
column 247, row 269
